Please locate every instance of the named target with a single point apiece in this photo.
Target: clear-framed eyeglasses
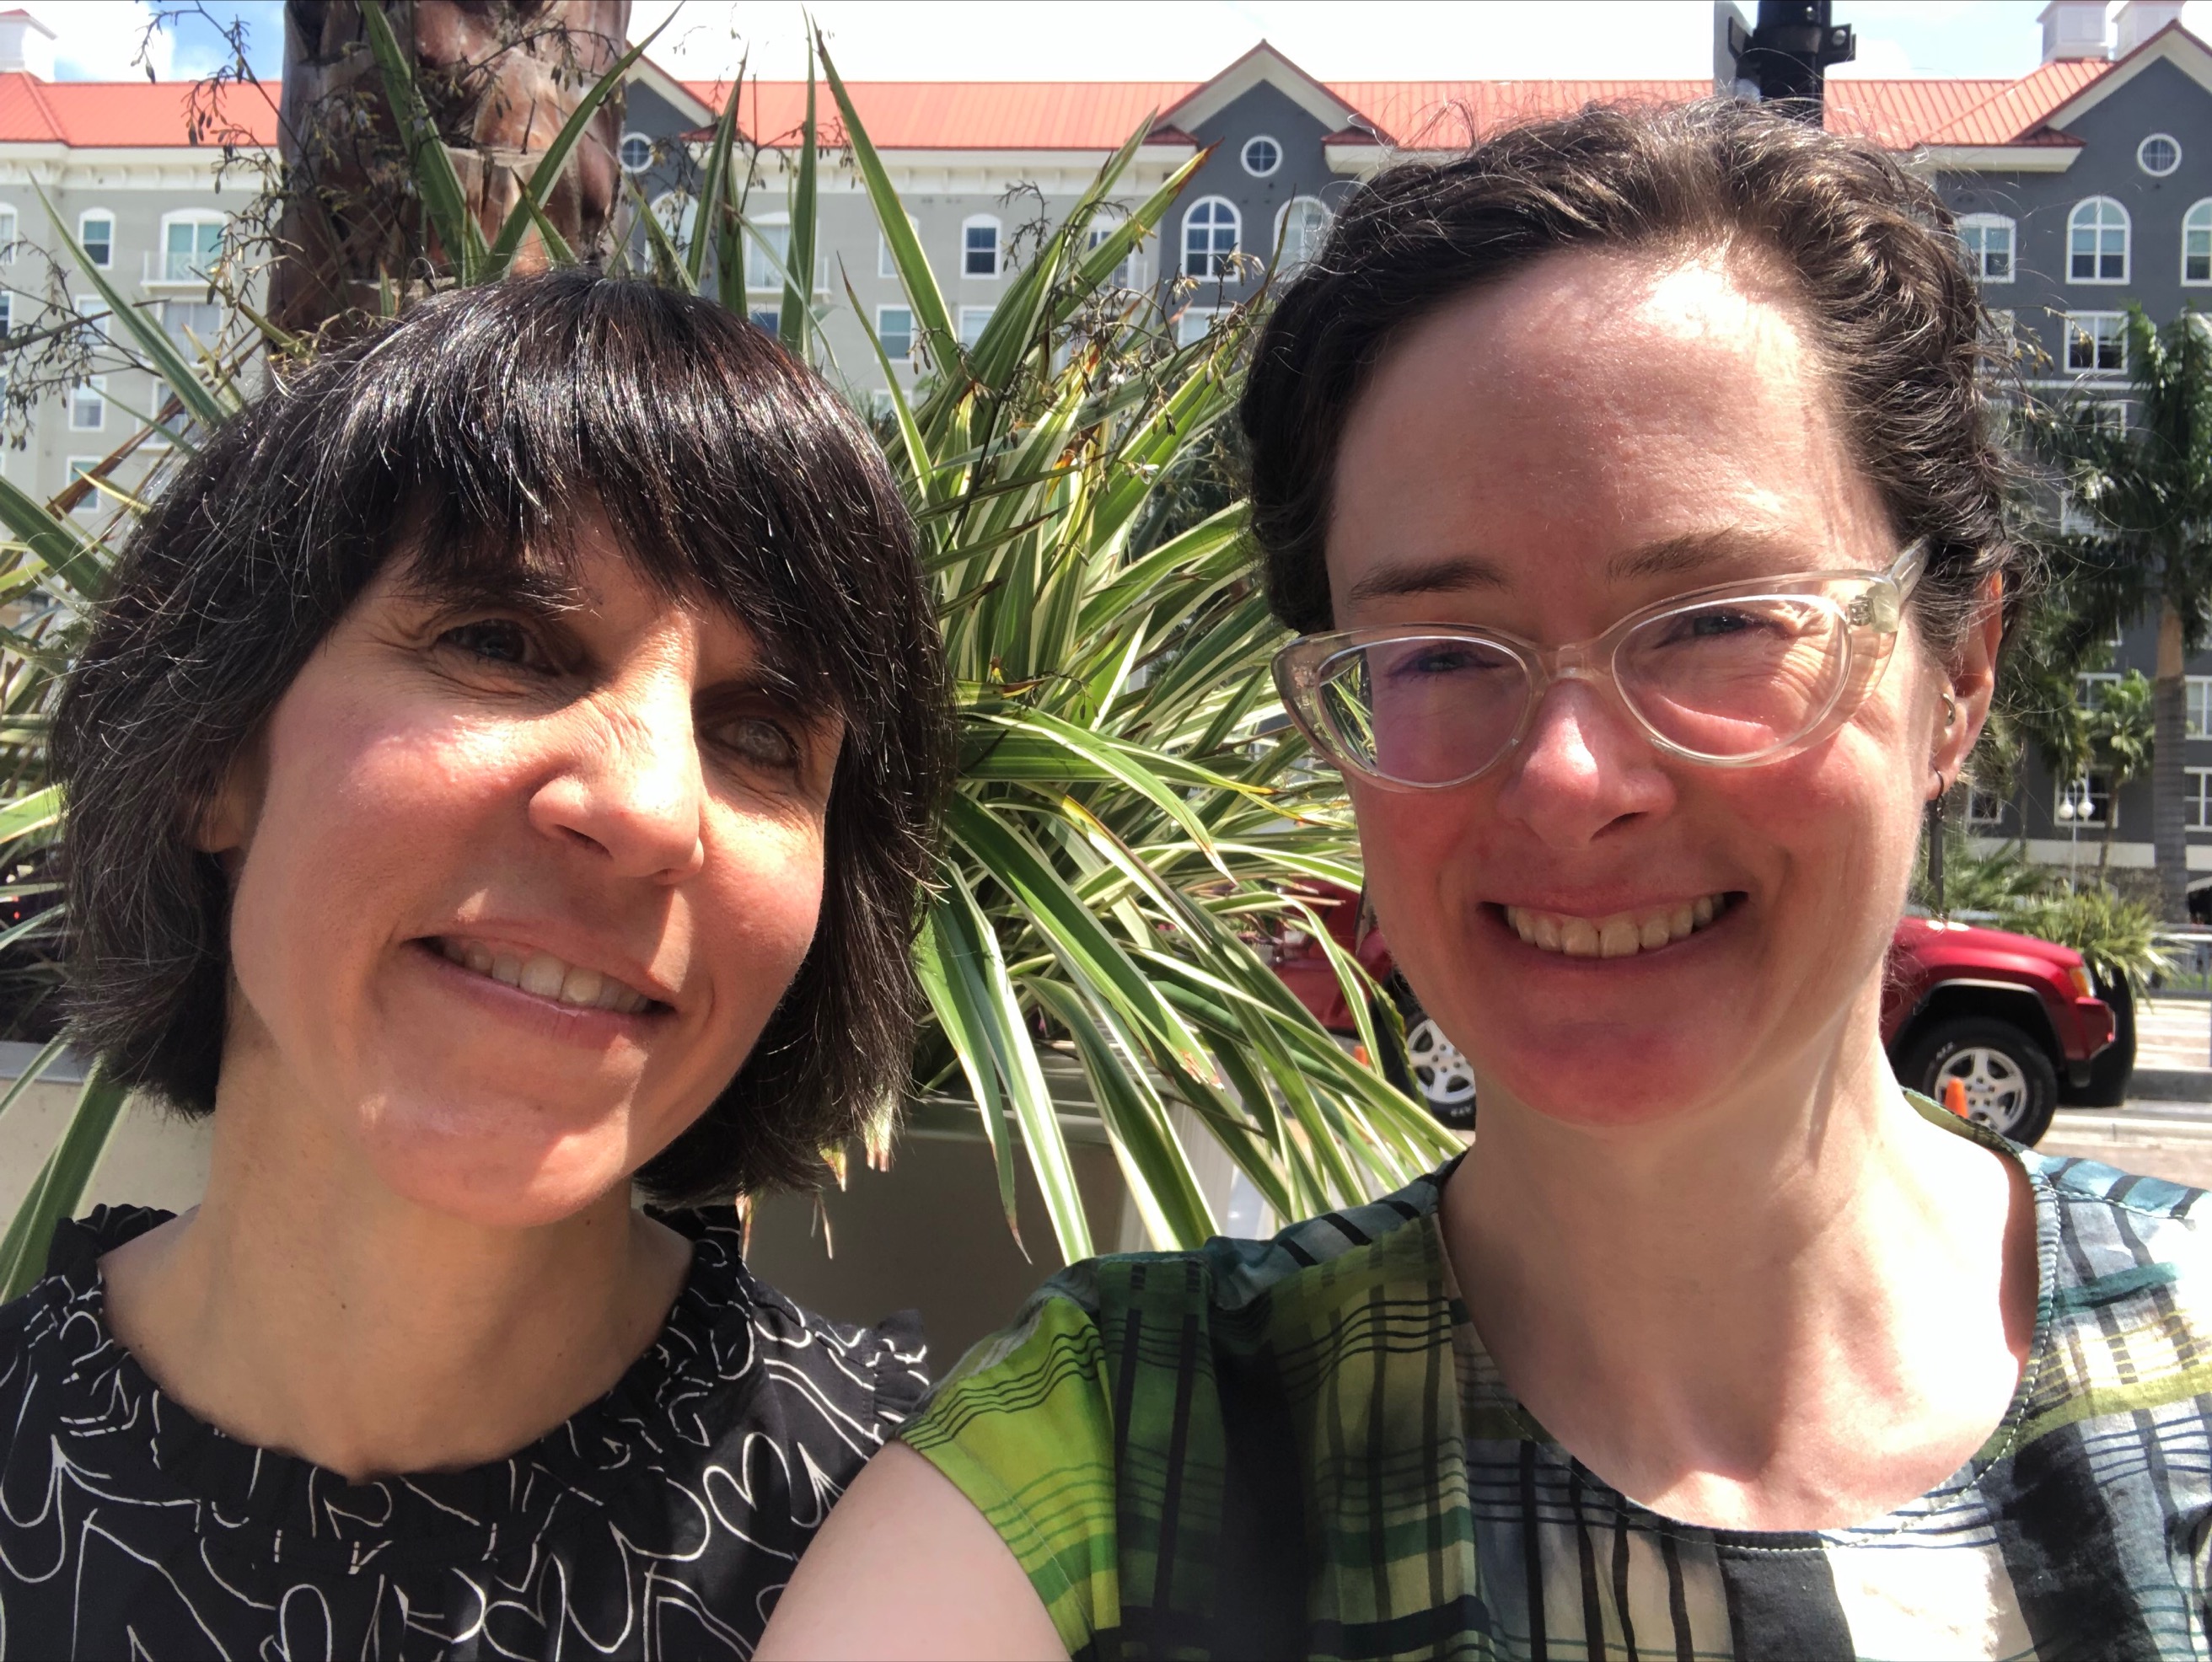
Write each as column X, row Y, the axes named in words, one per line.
column 1731, row 676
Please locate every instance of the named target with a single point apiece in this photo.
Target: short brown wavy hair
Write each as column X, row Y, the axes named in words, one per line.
column 468, row 435
column 1869, row 250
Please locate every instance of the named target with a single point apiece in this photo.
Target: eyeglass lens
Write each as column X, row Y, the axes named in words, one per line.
column 1726, row 680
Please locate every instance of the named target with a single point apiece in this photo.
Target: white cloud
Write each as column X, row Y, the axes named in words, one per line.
column 99, row 40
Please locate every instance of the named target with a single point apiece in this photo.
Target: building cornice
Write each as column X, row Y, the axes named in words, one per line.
column 149, row 167
column 1993, row 158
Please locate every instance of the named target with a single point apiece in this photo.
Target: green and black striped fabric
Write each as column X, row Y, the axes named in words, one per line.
column 1298, row 1448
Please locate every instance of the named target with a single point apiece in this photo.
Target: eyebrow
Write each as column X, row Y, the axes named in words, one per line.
column 1696, row 551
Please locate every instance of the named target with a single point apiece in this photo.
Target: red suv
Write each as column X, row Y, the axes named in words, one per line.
column 2019, row 1022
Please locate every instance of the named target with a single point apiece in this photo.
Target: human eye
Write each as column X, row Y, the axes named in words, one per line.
column 759, row 741
column 1728, row 624
column 496, row 640
column 1438, row 660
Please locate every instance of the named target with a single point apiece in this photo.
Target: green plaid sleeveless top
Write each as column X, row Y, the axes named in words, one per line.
column 1296, row 1447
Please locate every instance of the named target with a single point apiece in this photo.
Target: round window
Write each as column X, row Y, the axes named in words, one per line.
column 1261, row 156
column 2158, row 155
column 636, row 153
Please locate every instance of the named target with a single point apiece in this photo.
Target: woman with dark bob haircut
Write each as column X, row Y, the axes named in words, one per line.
column 498, row 779
column 1629, row 482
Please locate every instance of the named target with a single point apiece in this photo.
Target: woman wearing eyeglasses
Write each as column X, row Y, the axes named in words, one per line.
column 1630, row 484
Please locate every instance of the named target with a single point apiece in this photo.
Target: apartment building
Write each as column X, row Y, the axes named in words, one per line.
column 2082, row 186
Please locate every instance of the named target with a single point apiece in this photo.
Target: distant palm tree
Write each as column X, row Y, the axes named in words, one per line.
column 499, row 79
column 2145, row 489
column 2123, row 739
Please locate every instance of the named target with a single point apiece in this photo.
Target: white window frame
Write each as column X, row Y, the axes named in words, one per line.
column 766, row 318
column 9, row 233
column 195, row 217
column 93, row 499
column 1130, row 273
column 1979, row 258
column 2086, row 784
column 2086, row 680
column 1284, row 261
column 977, row 223
column 1212, row 207
column 1244, row 155
column 885, row 265
column 2147, row 139
column 768, row 282
column 623, row 162
column 679, row 229
column 980, row 317
column 2197, row 707
column 912, row 335
column 7, row 312
column 2077, row 322
column 86, row 218
column 97, row 386
column 1193, row 321
column 2100, row 223
column 1985, row 807
column 2197, row 221
column 2199, row 800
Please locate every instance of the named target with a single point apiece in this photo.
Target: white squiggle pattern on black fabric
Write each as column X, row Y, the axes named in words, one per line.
column 660, row 1522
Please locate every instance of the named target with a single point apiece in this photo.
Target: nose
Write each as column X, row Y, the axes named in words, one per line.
column 1581, row 768
column 630, row 786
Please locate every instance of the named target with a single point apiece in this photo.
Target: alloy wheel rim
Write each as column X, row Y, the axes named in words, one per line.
column 1439, row 1068
column 1996, row 1089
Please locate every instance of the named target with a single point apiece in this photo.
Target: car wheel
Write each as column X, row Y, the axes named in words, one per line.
column 2011, row 1086
column 1441, row 1076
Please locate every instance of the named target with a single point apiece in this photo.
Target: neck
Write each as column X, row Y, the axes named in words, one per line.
column 1700, row 1308
column 305, row 1307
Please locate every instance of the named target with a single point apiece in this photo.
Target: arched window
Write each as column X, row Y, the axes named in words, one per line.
column 2097, row 242
column 1988, row 241
column 191, row 243
column 1211, row 231
column 1300, row 230
column 979, row 252
column 96, row 234
column 678, row 214
column 2196, row 244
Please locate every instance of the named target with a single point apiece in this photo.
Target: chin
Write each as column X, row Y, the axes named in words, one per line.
column 514, row 1168
column 1603, row 1080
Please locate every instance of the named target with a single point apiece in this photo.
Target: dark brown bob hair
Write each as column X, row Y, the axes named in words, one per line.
column 1867, row 250
column 465, row 438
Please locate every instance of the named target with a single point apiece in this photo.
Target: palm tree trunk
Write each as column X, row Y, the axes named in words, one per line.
column 499, row 76
column 2169, row 776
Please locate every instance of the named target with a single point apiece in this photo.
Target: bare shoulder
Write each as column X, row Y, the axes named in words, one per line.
column 907, row 1567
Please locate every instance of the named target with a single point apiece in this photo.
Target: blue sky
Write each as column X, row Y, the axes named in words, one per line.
column 1051, row 39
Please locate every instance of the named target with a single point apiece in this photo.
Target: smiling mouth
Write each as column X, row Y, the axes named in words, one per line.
column 1622, row 934
column 544, row 975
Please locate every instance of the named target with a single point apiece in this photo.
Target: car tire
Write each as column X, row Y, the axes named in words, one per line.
column 1431, row 1071
column 2011, row 1086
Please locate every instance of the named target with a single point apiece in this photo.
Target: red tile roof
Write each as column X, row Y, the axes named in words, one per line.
column 961, row 115
column 1097, row 115
column 1901, row 114
column 120, row 114
column 1438, row 115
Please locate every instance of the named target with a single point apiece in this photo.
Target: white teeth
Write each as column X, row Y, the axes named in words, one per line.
column 546, row 976
column 543, row 975
column 1622, row 936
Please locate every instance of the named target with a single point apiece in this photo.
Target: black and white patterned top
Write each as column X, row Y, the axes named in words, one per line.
column 661, row 1521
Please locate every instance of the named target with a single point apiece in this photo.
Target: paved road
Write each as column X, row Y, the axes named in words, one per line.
column 2172, row 1140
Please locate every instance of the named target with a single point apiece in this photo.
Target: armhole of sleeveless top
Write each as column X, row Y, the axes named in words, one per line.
column 1024, row 1428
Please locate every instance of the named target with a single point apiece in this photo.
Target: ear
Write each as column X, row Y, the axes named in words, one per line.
column 226, row 828
column 1972, row 681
